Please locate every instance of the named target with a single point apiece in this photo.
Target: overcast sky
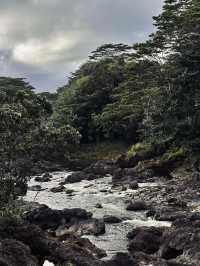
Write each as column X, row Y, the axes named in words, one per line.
column 45, row 40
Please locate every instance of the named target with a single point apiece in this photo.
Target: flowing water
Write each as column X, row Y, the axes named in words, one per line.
column 86, row 195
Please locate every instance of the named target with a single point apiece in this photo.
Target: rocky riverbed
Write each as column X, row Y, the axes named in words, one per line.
column 100, row 198
column 130, row 215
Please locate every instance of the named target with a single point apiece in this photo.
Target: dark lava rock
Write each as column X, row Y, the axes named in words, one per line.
column 138, row 205
column 124, row 188
column 48, row 218
column 177, row 202
column 82, row 227
column 134, row 185
column 185, row 240
column 111, row 219
column 145, row 239
column 79, row 176
column 102, row 167
column 169, row 214
column 15, row 253
column 121, row 259
column 69, row 191
column 57, row 189
column 36, row 188
column 75, row 220
column 98, row 206
column 45, row 178
column 41, row 246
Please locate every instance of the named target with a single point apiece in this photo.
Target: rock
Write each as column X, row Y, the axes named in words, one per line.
column 102, row 168
column 123, row 188
column 69, row 191
column 169, row 214
column 111, row 219
column 82, row 227
column 134, row 185
column 138, row 205
column 48, row 218
column 36, row 188
column 121, row 259
column 88, row 186
column 45, row 178
column 177, row 202
column 98, row 206
column 145, row 239
column 79, row 176
column 77, row 221
column 57, row 189
column 182, row 240
column 15, row 253
column 103, row 190
column 41, row 247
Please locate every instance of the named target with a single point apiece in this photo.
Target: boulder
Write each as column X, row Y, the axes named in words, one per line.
column 138, row 205
column 121, row 259
column 134, row 185
column 82, row 227
column 98, row 206
column 102, row 168
column 36, row 188
column 15, row 253
column 57, row 189
column 47, row 218
column 28, row 244
column 79, row 176
column 110, row 219
column 44, row 178
column 145, row 239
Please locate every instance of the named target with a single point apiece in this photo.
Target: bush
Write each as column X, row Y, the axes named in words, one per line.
column 139, row 149
column 175, row 154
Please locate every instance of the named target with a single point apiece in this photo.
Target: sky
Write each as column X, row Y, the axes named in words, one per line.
column 45, row 40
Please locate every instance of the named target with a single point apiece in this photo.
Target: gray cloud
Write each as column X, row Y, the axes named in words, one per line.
column 44, row 40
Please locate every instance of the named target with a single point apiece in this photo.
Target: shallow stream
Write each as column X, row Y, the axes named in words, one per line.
column 86, row 195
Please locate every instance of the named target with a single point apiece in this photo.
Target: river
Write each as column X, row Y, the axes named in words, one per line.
column 86, row 195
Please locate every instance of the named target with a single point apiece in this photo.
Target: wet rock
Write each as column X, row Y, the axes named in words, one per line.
column 144, row 239
column 121, row 259
column 48, row 218
column 36, row 188
column 88, row 186
column 177, row 202
column 77, row 221
column 83, row 244
column 82, row 227
column 103, row 190
column 98, row 206
column 102, row 167
column 44, row 178
column 57, row 189
column 42, row 247
column 69, row 191
column 169, row 214
column 183, row 240
column 134, row 185
column 138, row 205
column 111, row 219
column 79, row 176
column 128, row 175
column 15, row 253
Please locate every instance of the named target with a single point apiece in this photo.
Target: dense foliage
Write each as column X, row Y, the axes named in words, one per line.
column 25, row 134
column 148, row 91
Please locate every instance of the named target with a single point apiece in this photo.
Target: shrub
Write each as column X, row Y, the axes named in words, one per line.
column 139, row 149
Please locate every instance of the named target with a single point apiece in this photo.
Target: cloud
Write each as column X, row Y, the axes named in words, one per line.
column 44, row 40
